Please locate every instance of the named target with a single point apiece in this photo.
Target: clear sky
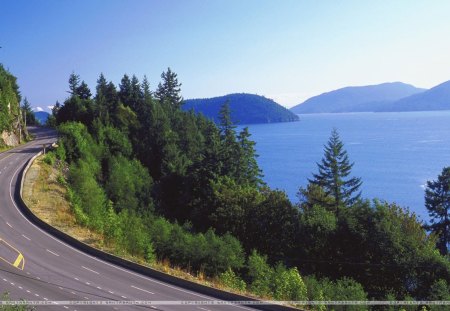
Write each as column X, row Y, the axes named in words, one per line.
column 285, row 50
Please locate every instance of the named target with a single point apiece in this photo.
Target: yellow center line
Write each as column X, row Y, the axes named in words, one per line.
column 6, row 156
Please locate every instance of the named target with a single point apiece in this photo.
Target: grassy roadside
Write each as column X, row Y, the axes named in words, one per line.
column 45, row 195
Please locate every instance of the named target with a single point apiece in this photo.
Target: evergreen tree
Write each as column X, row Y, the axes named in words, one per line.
column 146, row 90
column 29, row 114
column 248, row 170
column 437, row 202
column 125, row 90
column 83, row 91
column 74, row 82
column 101, row 84
column 169, row 89
column 229, row 146
column 333, row 172
column 136, row 96
column 100, row 99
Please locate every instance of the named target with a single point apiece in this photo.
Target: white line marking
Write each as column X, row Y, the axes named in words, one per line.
column 12, row 284
column 45, row 299
column 20, row 287
column 90, row 270
column 73, row 293
column 98, row 287
column 66, row 307
column 123, row 297
column 60, row 287
column 203, row 309
column 37, row 295
column 87, row 283
column 110, row 292
column 28, row 291
column 27, row 239
column 77, row 279
column 8, row 224
column 142, row 289
column 86, row 298
column 5, row 280
column 52, row 252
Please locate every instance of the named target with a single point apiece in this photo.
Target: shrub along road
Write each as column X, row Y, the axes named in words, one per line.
column 53, row 270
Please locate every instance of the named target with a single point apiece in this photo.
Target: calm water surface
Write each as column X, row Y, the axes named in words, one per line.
column 394, row 153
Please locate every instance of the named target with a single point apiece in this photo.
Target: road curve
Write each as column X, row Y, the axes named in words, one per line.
column 55, row 271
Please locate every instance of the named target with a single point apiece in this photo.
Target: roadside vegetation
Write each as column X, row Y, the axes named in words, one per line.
column 170, row 186
column 5, row 297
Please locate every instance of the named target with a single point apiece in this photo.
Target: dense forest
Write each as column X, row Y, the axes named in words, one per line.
column 245, row 109
column 173, row 186
column 10, row 99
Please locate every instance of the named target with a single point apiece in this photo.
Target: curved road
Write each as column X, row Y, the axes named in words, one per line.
column 54, row 271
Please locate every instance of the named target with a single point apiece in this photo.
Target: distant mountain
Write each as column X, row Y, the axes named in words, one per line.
column 245, row 109
column 357, row 98
column 436, row 98
column 41, row 116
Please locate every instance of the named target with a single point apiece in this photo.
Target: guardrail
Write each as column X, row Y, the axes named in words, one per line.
column 146, row 271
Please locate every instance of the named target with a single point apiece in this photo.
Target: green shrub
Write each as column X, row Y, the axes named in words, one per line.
column 260, row 274
column 288, row 284
column 231, row 280
column 49, row 158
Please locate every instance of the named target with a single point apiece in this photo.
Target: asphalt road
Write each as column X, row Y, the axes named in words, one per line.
column 54, row 271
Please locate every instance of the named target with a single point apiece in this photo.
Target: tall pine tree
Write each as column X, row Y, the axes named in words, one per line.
column 29, row 114
column 334, row 170
column 248, row 171
column 169, row 89
column 437, row 202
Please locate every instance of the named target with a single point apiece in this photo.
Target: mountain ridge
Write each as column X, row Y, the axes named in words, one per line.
column 436, row 98
column 357, row 98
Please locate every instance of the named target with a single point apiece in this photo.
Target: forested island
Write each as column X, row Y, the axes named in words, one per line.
column 170, row 185
column 244, row 109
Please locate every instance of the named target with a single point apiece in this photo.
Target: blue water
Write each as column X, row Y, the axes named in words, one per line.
column 394, row 153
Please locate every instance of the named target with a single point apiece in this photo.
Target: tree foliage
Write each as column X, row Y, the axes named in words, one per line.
column 437, row 202
column 10, row 99
column 334, row 169
column 169, row 185
column 30, row 118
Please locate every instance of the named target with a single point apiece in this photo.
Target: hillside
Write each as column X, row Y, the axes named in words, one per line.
column 357, row 98
column 245, row 108
column 436, row 98
column 10, row 116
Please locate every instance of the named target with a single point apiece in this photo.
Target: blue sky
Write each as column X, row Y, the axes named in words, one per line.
column 285, row 50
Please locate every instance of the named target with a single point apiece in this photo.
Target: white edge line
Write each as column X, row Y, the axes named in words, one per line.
column 52, row 252
column 26, row 237
column 93, row 271
column 142, row 289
